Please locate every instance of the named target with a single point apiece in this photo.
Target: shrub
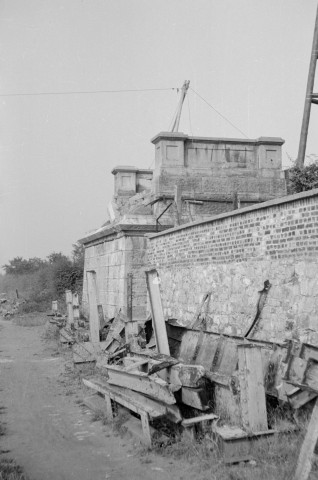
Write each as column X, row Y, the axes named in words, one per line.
column 305, row 178
column 44, row 280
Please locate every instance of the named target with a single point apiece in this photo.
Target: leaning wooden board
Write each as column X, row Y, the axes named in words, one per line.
column 140, row 382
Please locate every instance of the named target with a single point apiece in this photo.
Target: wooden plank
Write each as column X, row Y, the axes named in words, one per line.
column 69, row 306
column 83, row 352
column 311, row 375
column 158, row 320
column 188, row 346
column 229, row 360
column 207, row 351
column 155, row 408
column 157, row 366
column 113, row 340
column 307, row 450
column 93, row 302
column 195, row 397
column 135, row 365
column 252, row 391
column 299, row 398
column 140, row 382
column 122, row 396
column 66, row 336
column 202, row 418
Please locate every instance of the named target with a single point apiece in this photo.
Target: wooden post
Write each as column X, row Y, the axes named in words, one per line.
column 307, row 450
column 158, row 321
column 69, row 306
column 178, row 202
column 109, row 408
column 131, row 328
column 252, row 390
column 93, row 310
column 76, row 313
column 309, row 98
column 54, row 307
column 145, row 427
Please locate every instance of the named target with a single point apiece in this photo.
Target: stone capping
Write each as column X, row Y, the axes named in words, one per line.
column 131, row 169
column 241, row 211
column 119, row 228
column 252, row 141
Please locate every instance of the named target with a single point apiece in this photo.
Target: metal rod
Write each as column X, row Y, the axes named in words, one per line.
column 157, row 219
column 309, row 91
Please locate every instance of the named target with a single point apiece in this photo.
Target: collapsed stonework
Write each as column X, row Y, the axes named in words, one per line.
column 194, row 178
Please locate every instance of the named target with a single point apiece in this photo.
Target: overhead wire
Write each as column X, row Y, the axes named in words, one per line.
column 219, row 113
column 85, row 92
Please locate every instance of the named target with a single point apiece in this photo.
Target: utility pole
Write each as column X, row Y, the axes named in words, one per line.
column 185, row 86
column 310, row 98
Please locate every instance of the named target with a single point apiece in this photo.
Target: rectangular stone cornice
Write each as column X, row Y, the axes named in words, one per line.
column 249, row 141
column 169, row 136
column 105, row 232
column 130, row 169
column 241, row 211
column 100, row 232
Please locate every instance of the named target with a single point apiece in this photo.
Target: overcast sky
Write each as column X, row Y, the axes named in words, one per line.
column 248, row 58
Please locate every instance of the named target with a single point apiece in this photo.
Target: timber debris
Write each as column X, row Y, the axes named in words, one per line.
column 175, row 380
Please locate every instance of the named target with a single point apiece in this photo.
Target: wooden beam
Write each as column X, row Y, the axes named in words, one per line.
column 140, row 382
column 252, row 391
column 202, row 418
column 158, row 320
column 93, row 311
column 307, row 450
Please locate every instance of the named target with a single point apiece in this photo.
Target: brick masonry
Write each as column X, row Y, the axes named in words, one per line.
column 232, row 255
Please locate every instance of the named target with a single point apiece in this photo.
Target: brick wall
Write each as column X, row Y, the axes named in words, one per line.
column 232, row 255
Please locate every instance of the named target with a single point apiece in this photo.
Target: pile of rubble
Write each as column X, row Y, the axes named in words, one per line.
column 8, row 306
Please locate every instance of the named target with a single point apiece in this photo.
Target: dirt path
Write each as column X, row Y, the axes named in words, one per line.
column 49, row 434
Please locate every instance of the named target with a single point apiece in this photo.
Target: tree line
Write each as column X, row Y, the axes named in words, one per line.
column 40, row 281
